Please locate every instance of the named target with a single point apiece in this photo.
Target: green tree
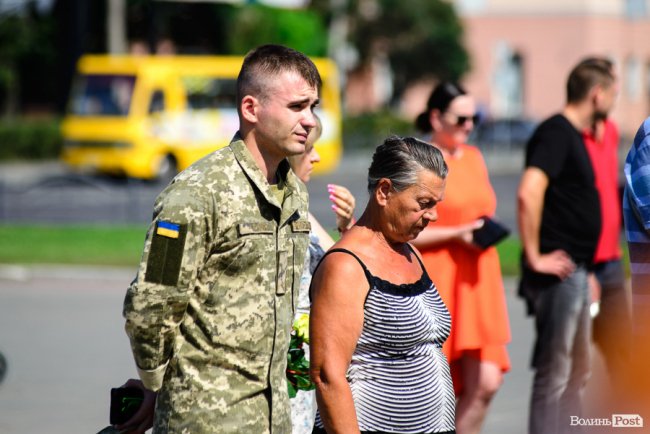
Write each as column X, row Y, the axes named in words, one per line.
column 254, row 25
column 421, row 38
column 26, row 49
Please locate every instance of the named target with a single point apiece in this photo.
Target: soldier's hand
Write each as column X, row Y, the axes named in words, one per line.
column 142, row 420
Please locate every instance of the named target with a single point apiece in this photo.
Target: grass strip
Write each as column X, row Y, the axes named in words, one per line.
column 119, row 246
column 82, row 245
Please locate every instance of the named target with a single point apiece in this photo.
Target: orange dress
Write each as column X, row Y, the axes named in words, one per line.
column 469, row 280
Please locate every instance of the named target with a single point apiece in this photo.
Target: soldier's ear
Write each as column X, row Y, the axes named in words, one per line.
column 249, row 107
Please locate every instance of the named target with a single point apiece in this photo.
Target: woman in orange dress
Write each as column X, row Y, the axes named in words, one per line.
column 468, row 278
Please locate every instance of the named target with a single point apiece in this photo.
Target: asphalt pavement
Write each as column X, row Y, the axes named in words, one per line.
column 47, row 192
column 61, row 328
column 61, row 331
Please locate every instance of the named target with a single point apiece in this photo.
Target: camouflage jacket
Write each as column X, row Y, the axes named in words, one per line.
column 210, row 311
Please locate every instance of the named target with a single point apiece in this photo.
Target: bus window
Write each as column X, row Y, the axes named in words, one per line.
column 210, row 93
column 157, row 103
column 102, row 95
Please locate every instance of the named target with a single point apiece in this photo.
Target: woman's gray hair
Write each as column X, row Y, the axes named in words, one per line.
column 400, row 159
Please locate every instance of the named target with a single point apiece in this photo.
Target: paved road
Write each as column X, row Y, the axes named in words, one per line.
column 48, row 193
column 61, row 328
column 62, row 333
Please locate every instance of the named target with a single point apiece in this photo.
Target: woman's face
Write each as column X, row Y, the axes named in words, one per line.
column 452, row 127
column 303, row 164
column 410, row 211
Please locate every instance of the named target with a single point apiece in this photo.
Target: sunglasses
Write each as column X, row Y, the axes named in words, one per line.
column 462, row 120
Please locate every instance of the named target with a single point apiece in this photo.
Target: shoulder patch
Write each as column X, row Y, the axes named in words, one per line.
column 166, row 253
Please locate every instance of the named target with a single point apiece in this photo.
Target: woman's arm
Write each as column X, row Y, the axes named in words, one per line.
column 343, row 204
column 434, row 235
column 339, row 288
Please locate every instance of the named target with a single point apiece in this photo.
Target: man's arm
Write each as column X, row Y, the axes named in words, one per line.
column 156, row 301
column 530, row 201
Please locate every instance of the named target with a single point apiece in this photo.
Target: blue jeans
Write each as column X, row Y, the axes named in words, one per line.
column 561, row 357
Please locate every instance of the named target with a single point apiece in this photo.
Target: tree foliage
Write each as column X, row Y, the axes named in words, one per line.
column 421, row 38
column 255, row 25
column 26, row 53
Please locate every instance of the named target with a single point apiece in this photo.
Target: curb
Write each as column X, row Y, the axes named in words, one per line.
column 24, row 273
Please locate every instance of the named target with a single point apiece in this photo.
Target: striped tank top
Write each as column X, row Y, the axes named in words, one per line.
column 398, row 375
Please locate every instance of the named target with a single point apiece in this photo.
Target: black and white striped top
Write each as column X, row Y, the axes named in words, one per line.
column 398, row 375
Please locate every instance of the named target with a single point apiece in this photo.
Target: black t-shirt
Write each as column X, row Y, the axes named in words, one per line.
column 571, row 213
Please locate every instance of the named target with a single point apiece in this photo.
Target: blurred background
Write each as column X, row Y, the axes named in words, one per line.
column 512, row 56
column 71, row 232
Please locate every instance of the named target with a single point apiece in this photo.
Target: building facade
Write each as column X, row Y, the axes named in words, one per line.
column 522, row 52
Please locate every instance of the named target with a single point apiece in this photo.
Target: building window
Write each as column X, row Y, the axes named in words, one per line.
column 635, row 9
column 633, row 79
column 507, row 82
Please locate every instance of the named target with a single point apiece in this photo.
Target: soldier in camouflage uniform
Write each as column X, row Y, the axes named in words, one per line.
column 210, row 311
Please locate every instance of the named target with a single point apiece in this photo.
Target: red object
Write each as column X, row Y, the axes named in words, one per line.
column 602, row 145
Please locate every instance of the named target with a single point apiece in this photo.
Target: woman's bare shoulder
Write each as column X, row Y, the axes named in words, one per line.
column 340, row 272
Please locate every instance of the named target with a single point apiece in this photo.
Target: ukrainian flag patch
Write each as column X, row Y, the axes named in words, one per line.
column 167, row 229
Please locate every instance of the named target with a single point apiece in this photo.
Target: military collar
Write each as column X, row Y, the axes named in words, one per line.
column 254, row 173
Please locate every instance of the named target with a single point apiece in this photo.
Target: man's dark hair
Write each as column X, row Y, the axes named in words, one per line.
column 268, row 61
column 590, row 72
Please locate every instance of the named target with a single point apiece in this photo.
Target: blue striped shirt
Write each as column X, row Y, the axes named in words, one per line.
column 636, row 214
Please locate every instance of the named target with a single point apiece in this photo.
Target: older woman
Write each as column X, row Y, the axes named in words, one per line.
column 377, row 320
column 468, row 278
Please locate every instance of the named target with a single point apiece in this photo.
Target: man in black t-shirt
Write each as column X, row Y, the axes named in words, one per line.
column 559, row 224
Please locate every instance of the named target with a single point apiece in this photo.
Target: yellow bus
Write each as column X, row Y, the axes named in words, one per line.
column 149, row 117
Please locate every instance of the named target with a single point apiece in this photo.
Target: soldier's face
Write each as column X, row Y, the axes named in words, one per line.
column 286, row 115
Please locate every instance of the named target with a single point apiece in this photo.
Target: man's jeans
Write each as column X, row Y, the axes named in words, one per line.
column 612, row 328
column 561, row 356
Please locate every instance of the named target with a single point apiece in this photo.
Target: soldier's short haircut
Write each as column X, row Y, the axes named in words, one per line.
column 590, row 72
column 400, row 159
column 266, row 62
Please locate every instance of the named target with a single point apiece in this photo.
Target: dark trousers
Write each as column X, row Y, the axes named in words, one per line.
column 561, row 356
column 612, row 327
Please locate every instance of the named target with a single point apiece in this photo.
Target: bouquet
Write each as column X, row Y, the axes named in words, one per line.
column 297, row 363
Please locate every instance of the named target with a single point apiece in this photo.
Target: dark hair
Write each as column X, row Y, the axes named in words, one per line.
column 441, row 97
column 590, row 72
column 400, row 159
column 268, row 61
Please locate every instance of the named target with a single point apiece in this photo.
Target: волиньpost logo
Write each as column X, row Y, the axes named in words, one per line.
column 627, row 421
column 616, row 421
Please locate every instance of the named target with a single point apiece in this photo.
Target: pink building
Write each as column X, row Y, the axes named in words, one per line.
column 522, row 52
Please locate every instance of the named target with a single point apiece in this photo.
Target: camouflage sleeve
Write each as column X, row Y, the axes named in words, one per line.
column 156, row 300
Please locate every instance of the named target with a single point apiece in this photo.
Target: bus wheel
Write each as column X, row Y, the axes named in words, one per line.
column 167, row 169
